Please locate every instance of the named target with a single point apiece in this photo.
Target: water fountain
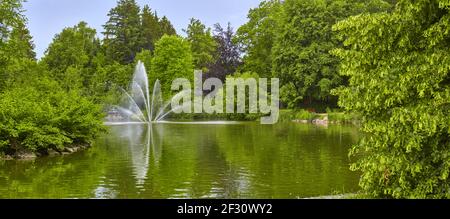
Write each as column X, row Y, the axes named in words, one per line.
column 138, row 104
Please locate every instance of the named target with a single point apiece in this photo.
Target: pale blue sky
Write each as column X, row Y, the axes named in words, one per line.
column 48, row 17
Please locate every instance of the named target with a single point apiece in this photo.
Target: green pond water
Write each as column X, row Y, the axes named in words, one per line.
column 247, row 160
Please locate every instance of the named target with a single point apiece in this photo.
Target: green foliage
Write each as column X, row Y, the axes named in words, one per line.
column 334, row 117
column 288, row 115
column 123, row 32
column 228, row 55
column 10, row 14
column 166, row 28
column 203, row 45
column 73, row 58
column 22, row 70
column 257, row 37
column 38, row 113
column 144, row 56
column 74, row 46
column 151, row 31
column 106, row 81
column 339, row 117
column 301, row 51
column 128, row 31
column 72, row 79
column 247, row 116
column 15, row 39
column 43, row 116
column 172, row 59
column 398, row 65
column 153, row 28
column 20, row 44
column 304, row 115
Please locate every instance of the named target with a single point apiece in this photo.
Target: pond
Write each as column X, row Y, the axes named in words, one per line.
column 242, row 160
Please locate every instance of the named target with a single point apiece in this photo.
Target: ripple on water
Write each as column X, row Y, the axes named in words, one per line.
column 193, row 161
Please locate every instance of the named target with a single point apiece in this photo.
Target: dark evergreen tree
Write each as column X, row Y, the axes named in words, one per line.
column 150, row 28
column 123, row 32
column 16, row 45
column 166, row 28
column 203, row 45
column 20, row 44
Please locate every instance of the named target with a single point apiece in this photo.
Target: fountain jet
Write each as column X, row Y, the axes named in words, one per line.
column 138, row 104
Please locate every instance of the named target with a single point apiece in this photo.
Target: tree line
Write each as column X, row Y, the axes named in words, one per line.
column 60, row 100
column 290, row 40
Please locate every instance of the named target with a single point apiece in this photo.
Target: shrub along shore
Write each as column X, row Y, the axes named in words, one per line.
column 44, row 119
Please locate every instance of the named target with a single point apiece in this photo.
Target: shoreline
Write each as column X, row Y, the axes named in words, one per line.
column 322, row 119
column 338, row 196
column 27, row 155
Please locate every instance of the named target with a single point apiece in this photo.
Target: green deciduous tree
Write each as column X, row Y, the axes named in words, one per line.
column 106, row 80
column 301, row 52
column 399, row 69
column 70, row 56
column 74, row 46
column 37, row 115
column 172, row 59
column 22, row 70
column 257, row 37
column 36, row 112
column 144, row 56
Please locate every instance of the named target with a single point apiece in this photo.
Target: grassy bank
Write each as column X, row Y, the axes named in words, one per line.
column 332, row 116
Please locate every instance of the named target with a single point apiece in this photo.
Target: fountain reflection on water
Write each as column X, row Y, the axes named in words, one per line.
column 144, row 149
column 139, row 110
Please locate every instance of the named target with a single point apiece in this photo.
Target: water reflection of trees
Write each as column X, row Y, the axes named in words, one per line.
column 292, row 160
column 74, row 176
column 255, row 161
column 193, row 161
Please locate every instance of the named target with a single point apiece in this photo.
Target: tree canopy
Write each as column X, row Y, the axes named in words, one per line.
column 227, row 55
column 257, row 36
column 398, row 65
column 301, row 52
column 37, row 113
column 172, row 59
column 129, row 30
column 122, row 32
column 15, row 39
column 203, row 45
column 74, row 47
